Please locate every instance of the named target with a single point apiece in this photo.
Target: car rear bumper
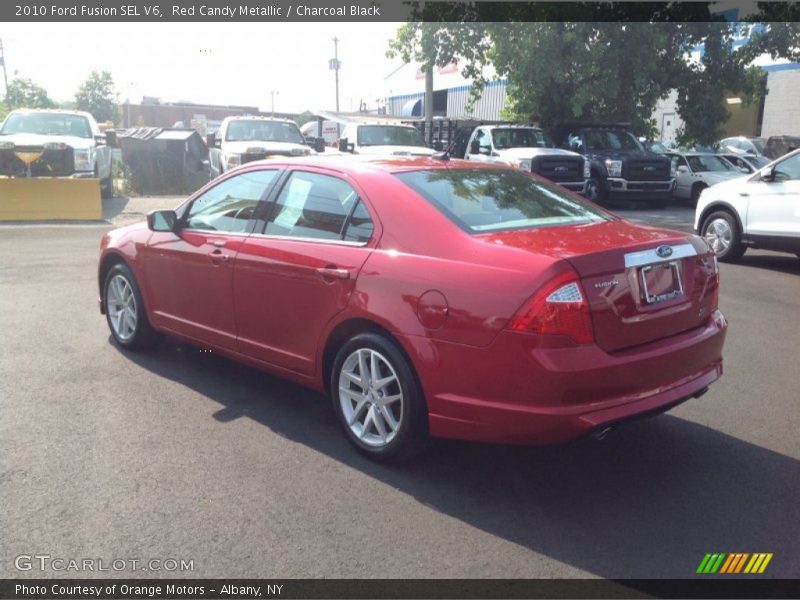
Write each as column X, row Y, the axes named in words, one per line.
column 519, row 391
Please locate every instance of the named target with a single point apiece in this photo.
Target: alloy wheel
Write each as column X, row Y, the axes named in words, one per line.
column 371, row 397
column 719, row 235
column 121, row 306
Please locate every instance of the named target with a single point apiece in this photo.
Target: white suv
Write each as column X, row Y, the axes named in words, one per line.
column 760, row 211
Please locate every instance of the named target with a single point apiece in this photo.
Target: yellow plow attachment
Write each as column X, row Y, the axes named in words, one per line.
column 45, row 199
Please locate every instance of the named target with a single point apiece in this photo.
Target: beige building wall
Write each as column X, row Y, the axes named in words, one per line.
column 782, row 105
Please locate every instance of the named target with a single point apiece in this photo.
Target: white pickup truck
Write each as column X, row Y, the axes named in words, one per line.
column 244, row 139
column 383, row 139
column 55, row 143
column 529, row 148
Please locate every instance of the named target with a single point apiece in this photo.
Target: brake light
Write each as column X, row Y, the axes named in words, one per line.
column 560, row 308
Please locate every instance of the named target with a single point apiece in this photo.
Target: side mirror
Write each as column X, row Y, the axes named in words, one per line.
column 343, row 145
column 745, row 170
column 319, row 144
column 438, row 145
column 768, row 174
column 682, row 169
column 111, row 139
column 162, row 220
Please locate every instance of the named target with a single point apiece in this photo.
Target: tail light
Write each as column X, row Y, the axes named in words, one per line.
column 559, row 308
column 715, row 283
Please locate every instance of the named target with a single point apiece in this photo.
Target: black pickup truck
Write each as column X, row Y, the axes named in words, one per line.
column 621, row 168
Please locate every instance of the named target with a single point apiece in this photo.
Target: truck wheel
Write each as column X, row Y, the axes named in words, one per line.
column 106, row 188
column 595, row 190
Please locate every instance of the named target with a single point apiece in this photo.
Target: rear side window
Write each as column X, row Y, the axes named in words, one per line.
column 359, row 226
column 482, row 200
column 312, row 205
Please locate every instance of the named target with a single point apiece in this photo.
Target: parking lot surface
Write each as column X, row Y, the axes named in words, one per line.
column 185, row 455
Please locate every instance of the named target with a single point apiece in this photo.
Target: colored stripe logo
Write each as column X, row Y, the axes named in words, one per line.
column 733, row 563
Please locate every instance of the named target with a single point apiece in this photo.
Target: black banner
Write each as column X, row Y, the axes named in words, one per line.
column 385, row 10
column 240, row 589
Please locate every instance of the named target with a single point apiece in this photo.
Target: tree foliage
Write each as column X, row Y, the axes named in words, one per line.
column 24, row 93
column 97, row 96
column 614, row 68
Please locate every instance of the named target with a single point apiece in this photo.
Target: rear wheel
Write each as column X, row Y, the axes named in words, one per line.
column 378, row 399
column 721, row 231
column 125, row 313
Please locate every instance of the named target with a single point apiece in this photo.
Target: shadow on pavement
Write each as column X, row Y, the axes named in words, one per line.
column 649, row 501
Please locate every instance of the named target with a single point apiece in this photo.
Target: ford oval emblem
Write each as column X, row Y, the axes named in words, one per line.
column 664, row 251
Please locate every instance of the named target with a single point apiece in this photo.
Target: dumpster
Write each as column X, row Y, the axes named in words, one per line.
column 164, row 161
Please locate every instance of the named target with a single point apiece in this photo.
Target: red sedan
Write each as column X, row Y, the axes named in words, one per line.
column 428, row 297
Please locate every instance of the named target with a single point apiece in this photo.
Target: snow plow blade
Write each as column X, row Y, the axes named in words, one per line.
column 48, row 199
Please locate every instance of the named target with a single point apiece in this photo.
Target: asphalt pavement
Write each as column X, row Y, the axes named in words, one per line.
column 180, row 454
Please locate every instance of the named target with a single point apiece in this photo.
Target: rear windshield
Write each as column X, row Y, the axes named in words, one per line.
column 482, row 200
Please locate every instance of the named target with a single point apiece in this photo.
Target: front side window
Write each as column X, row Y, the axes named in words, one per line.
column 511, row 137
column 229, row 206
column 47, row 123
column 389, row 135
column 263, row 131
column 789, row 169
column 710, row 163
column 312, row 205
column 482, row 200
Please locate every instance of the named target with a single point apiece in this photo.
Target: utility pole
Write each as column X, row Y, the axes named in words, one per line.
column 3, row 63
column 334, row 64
column 273, row 93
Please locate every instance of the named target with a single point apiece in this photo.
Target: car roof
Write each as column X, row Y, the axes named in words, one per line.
column 365, row 163
column 258, row 118
column 691, row 153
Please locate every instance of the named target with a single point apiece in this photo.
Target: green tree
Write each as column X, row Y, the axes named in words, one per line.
column 97, row 96
column 614, row 68
column 23, row 93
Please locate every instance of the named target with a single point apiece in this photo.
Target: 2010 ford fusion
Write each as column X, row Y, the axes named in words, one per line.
column 428, row 297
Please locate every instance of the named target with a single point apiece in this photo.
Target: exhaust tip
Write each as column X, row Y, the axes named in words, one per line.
column 601, row 434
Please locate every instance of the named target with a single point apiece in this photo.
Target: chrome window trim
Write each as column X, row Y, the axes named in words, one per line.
column 310, row 239
column 650, row 257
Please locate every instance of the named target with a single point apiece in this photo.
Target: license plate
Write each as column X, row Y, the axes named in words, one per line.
column 661, row 282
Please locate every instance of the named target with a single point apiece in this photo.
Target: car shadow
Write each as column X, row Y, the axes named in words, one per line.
column 113, row 207
column 775, row 261
column 647, row 502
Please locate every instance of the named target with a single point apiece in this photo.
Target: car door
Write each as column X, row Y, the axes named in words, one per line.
column 684, row 178
column 189, row 272
column 773, row 209
column 299, row 269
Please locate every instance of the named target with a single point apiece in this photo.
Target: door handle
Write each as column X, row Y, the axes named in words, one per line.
column 333, row 273
column 219, row 243
column 218, row 257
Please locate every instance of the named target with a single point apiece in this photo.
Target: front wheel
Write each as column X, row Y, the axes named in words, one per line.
column 595, row 190
column 125, row 313
column 378, row 399
column 721, row 231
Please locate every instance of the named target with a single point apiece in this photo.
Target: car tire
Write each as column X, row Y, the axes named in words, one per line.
column 697, row 189
column 721, row 231
column 125, row 310
column 595, row 191
column 383, row 429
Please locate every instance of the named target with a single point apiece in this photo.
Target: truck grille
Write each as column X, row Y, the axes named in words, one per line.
column 646, row 170
column 52, row 163
column 558, row 168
